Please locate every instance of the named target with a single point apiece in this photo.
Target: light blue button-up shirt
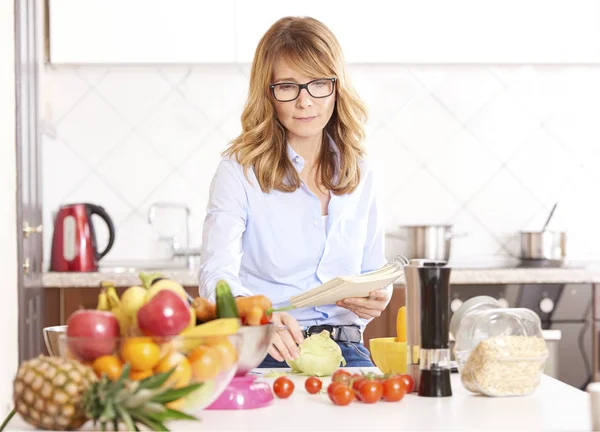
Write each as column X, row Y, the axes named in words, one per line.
column 279, row 244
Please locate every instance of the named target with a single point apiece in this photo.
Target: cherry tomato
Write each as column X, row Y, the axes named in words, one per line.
column 370, row 391
column 357, row 383
column 332, row 386
column 340, row 394
column 410, row 383
column 341, row 375
column 313, row 385
column 394, row 389
column 283, row 387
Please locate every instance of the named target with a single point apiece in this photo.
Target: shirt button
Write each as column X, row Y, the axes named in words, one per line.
column 297, row 159
column 315, row 223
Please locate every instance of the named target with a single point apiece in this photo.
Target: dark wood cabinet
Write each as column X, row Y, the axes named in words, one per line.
column 60, row 303
column 385, row 324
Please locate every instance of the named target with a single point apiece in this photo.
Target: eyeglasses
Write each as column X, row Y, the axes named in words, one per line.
column 318, row 88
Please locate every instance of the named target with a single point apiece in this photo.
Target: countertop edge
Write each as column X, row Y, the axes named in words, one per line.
column 492, row 276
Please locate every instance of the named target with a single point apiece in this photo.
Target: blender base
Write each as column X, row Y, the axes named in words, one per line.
column 243, row 393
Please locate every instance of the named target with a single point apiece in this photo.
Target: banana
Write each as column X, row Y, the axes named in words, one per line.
column 103, row 301
column 113, row 297
column 192, row 336
column 123, row 319
column 169, row 284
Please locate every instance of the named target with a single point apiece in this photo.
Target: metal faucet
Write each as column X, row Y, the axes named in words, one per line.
column 177, row 249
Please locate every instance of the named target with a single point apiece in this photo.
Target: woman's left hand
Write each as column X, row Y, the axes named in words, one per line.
column 369, row 307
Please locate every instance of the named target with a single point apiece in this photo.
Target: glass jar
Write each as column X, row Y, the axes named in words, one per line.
column 499, row 351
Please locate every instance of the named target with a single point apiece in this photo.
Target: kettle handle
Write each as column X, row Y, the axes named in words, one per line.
column 95, row 209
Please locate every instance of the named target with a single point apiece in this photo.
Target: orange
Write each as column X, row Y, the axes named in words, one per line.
column 110, row 365
column 227, row 352
column 138, row 375
column 205, row 362
column 140, row 352
column 181, row 375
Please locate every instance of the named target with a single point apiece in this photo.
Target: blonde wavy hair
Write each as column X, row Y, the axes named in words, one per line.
column 307, row 44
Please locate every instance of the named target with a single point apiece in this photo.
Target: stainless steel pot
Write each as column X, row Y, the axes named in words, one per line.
column 543, row 245
column 431, row 242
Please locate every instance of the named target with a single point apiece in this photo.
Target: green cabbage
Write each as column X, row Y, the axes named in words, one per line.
column 319, row 356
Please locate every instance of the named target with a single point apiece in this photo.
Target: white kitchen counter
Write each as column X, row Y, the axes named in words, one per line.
column 553, row 406
column 459, row 276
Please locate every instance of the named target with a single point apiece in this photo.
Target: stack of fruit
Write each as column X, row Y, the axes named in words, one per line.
column 153, row 329
column 253, row 310
column 138, row 358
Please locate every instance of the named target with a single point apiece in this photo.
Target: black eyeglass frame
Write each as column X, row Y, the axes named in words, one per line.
column 303, row 86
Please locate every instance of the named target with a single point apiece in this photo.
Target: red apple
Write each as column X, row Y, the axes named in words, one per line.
column 166, row 314
column 92, row 333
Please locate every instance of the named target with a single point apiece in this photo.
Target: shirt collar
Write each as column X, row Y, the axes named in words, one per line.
column 298, row 161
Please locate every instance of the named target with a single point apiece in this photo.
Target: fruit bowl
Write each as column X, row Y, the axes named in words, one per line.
column 256, row 341
column 243, row 392
column 209, row 360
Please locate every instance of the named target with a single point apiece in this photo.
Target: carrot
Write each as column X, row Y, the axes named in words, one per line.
column 255, row 315
column 205, row 310
column 245, row 304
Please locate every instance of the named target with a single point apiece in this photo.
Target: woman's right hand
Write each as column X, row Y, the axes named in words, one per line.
column 285, row 342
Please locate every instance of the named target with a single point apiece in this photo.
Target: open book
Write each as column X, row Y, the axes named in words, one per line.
column 349, row 286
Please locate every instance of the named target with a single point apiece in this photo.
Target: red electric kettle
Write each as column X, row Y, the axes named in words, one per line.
column 74, row 246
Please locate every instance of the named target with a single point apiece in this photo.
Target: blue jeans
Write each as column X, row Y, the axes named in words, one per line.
column 355, row 354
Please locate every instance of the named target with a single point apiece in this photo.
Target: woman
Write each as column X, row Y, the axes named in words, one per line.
column 292, row 204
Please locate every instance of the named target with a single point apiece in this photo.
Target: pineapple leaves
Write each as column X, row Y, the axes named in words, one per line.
column 126, row 419
column 170, row 414
column 146, row 420
column 156, row 380
column 174, row 394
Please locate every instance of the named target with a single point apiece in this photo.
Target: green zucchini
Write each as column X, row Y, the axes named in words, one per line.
column 226, row 306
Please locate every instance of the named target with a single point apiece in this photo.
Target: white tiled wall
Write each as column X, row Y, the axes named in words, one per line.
column 488, row 149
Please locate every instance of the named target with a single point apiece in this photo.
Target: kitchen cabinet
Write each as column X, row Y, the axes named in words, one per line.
column 60, row 303
column 378, row 31
column 439, row 31
column 385, row 324
column 140, row 32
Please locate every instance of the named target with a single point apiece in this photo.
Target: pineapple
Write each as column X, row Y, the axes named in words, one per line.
column 55, row 393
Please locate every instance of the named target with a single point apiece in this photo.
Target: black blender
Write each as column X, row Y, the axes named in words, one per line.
column 428, row 326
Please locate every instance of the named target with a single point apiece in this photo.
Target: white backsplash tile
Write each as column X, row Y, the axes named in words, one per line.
column 216, row 91
column 463, row 165
column 134, row 169
column 485, row 148
column 422, row 200
column 176, row 129
column 463, row 91
column 423, row 126
column 543, row 166
column 92, row 129
column 502, row 125
column 504, row 205
column 135, row 98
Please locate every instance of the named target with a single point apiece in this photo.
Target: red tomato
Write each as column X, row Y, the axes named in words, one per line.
column 410, row 383
column 332, row 386
column 394, row 389
column 283, row 387
column 356, row 384
column 313, row 385
column 340, row 394
column 341, row 375
column 370, row 391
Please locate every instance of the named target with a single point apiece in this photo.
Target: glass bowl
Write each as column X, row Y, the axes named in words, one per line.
column 210, row 360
